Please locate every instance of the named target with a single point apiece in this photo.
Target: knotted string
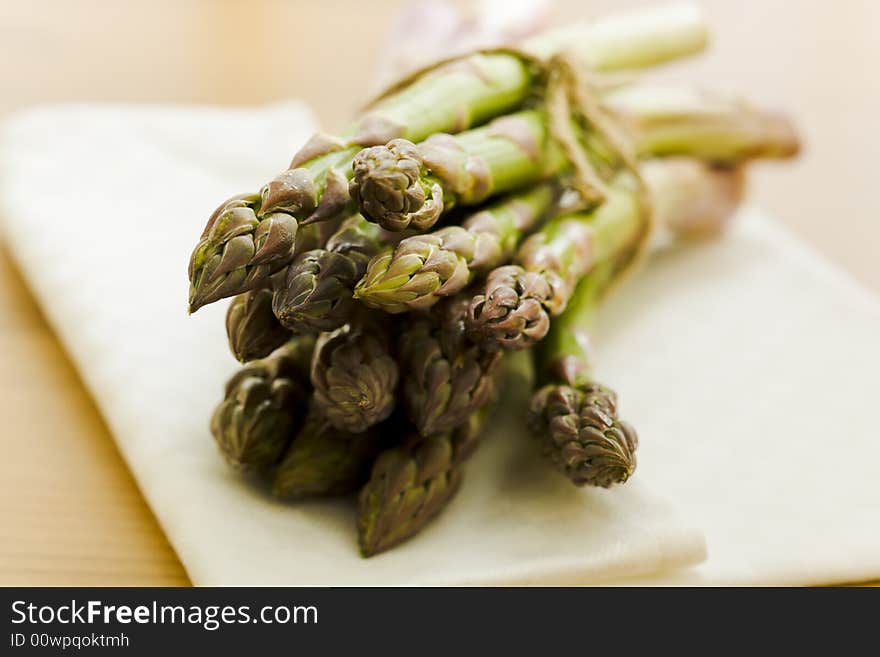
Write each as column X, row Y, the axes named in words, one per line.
column 582, row 125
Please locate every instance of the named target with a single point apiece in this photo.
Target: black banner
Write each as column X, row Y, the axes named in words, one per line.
column 390, row 621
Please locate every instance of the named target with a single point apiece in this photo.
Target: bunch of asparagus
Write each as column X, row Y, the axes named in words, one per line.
column 494, row 198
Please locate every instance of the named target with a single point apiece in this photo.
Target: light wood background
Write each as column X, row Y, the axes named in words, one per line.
column 70, row 512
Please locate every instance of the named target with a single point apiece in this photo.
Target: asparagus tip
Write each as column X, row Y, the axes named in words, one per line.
column 194, row 303
column 387, row 186
column 355, row 377
column 510, row 314
column 315, row 293
column 238, row 251
column 582, row 435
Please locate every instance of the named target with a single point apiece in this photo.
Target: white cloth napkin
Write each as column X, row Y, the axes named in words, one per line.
column 748, row 365
column 101, row 206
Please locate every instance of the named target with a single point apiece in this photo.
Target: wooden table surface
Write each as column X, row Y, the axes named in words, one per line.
column 70, row 511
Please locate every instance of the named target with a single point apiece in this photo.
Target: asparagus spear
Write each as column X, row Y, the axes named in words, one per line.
column 454, row 96
column 422, row 269
column 445, row 376
column 238, row 251
column 402, row 184
column 323, row 460
column 669, row 120
column 574, row 418
column 513, row 309
column 251, row 326
column 315, row 292
column 355, row 375
column 410, row 484
column 263, row 404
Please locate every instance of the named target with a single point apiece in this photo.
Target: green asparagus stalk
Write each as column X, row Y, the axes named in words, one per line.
column 410, row 484
column 454, row 96
column 513, row 309
column 265, row 400
column 315, row 292
column 402, row 184
column 445, row 377
column 628, row 40
column 574, row 418
column 423, row 269
column 324, row 461
column 355, row 373
column 472, row 89
column 252, row 328
column 670, row 120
